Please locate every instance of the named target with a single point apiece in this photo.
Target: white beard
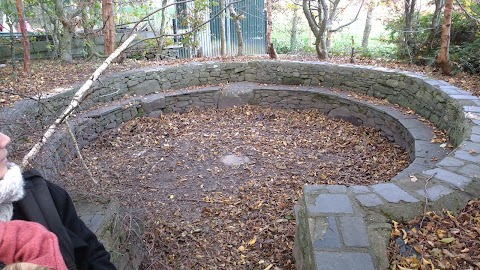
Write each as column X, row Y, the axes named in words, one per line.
column 11, row 190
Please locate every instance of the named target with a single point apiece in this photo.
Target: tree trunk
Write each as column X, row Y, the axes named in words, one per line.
column 161, row 44
column 238, row 30
column 368, row 25
column 443, row 57
column 321, row 47
column 26, row 42
column 87, row 34
column 223, row 37
column 409, row 12
column 66, row 44
column 434, row 23
column 270, row 49
column 109, row 29
column 12, row 50
column 294, row 30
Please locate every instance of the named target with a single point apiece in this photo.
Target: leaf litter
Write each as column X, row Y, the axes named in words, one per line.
column 438, row 240
column 202, row 214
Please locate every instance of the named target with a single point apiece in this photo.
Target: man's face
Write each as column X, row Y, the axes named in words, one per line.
column 4, row 141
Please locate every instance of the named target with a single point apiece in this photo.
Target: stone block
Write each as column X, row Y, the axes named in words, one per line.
column 330, row 204
column 470, row 170
column 465, row 155
column 336, row 189
column 324, row 233
column 146, row 87
column 343, row 261
column 436, row 192
column 450, row 177
column 369, row 200
column 392, row 193
column 359, row 189
column 451, row 162
column 152, row 103
column 354, row 232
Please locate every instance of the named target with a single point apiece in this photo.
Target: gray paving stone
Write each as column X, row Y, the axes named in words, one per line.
column 450, row 177
column 476, row 129
column 343, row 261
column 392, row 193
column 354, row 232
column 465, row 155
column 330, row 203
column 451, row 162
column 369, row 200
column 313, row 189
column 359, row 189
column 337, row 189
column 474, row 138
column 325, row 234
column 470, row 146
column 436, row 192
column 421, row 133
column 470, row 170
column 475, row 109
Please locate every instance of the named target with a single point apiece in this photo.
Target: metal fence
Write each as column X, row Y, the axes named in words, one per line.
column 253, row 30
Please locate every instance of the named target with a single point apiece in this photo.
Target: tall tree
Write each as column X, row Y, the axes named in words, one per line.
column 25, row 41
column 443, row 57
column 368, row 25
column 223, row 37
column 294, row 29
column 409, row 12
column 434, row 26
column 109, row 27
column 321, row 15
column 238, row 29
column 270, row 49
column 68, row 29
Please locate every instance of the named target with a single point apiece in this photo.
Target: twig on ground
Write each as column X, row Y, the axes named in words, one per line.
column 82, row 160
column 426, row 198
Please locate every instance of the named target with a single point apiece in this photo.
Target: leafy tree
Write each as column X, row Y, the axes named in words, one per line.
column 321, row 16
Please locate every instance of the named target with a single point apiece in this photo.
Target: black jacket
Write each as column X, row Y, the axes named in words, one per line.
column 51, row 206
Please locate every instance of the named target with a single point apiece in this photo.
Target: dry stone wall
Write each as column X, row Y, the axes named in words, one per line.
column 338, row 227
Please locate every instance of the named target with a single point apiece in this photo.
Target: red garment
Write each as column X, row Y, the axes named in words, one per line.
column 25, row 241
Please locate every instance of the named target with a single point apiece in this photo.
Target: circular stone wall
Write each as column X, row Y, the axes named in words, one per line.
column 358, row 216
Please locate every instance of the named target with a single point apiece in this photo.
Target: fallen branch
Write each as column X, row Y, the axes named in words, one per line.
column 74, row 103
column 426, row 199
column 75, row 143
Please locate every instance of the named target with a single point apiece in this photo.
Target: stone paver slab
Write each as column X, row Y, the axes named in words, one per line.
column 359, row 189
column 392, row 193
column 475, row 138
column 325, row 234
column 354, row 232
column 369, row 200
column 465, row 155
column 343, row 261
column 436, row 192
column 451, row 162
column 470, row 170
column 336, row 189
column 330, row 204
column 450, row 177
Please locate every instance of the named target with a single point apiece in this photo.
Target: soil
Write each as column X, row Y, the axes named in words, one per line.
column 203, row 214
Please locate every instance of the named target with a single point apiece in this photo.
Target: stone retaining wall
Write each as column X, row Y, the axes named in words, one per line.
column 338, row 227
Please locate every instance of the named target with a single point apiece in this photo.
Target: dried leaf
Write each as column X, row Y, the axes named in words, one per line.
column 252, row 241
column 447, row 240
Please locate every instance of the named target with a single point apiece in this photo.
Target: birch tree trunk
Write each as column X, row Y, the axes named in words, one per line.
column 294, row 30
column 223, row 37
column 368, row 25
column 25, row 41
column 443, row 57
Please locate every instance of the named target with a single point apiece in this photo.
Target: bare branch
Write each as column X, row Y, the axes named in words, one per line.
column 352, row 21
column 189, row 32
column 468, row 14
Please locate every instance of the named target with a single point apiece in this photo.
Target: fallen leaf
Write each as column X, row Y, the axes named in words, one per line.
column 252, row 241
column 447, row 240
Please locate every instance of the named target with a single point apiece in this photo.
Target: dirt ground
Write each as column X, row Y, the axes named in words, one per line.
column 203, row 214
